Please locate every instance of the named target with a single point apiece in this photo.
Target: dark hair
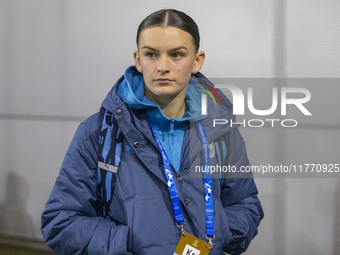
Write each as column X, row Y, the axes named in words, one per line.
column 171, row 18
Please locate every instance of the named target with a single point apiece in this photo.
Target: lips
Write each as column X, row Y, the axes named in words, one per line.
column 163, row 80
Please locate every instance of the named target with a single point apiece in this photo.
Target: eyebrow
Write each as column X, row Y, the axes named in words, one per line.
column 174, row 49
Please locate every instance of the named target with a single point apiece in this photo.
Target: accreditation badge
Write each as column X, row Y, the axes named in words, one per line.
column 191, row 245
column 211, row 150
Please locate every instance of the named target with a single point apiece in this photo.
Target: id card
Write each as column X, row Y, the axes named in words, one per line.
column 191, row 245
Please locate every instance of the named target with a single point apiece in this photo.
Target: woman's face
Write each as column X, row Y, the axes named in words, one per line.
column 167, row 57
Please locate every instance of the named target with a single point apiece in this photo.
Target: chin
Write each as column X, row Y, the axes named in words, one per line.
column 170, row 93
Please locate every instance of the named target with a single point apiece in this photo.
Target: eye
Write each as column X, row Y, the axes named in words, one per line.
column 177, row 55
column 150, row 54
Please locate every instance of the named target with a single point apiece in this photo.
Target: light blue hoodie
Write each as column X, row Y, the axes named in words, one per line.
column 170, row 132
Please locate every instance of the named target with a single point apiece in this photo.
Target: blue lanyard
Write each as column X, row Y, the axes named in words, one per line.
column 209, row 203
column 174, row 197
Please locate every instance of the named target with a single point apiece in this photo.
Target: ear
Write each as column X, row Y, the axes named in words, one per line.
column 199, row 61
column 137, row 60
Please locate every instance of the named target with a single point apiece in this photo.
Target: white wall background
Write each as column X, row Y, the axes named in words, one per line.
column 58, row 59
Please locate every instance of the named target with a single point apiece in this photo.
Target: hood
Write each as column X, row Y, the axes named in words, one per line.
column 130, row 89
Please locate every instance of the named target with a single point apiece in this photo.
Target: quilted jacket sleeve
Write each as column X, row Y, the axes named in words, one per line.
column 69, row 222
column 239, row 197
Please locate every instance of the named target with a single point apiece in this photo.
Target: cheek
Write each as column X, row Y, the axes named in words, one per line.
column 184, row 69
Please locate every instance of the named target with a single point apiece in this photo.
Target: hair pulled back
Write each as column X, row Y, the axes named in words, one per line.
column 171, row 18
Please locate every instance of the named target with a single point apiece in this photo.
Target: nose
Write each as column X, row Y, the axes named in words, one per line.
column 164, row 64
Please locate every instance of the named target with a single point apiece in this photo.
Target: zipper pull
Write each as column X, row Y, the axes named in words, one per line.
column 172, row 124
column 179, row 176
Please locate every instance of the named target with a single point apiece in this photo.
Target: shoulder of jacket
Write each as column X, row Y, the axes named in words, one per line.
column 90, row 126
column 91, row 121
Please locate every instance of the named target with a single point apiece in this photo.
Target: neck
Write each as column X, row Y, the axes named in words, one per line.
column 172, row 108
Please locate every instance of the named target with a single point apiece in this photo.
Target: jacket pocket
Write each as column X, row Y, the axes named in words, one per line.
column 222, row 229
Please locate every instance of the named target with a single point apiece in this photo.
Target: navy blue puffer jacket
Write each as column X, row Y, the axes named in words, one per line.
column 140, row 218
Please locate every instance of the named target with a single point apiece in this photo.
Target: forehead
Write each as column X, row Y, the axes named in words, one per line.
column 165, row 37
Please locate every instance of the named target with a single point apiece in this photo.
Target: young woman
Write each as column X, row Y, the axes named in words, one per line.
column 126, row 184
